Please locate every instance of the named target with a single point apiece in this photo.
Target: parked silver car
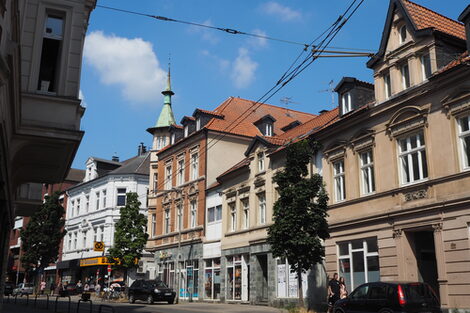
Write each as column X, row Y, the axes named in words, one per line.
column 23, row 289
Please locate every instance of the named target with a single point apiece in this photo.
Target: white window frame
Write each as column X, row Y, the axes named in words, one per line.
column 423, row 58
column 154, row 225
column 346, row 102
column 420, row 150
column 349, row 256
column 168, row 176
column 97, row 195
column 173, row 138
column 193, row 214
column 198, row 123
column 87, row 203
column 245, row 204
column 402, row 35
column 262, row 208
column 405, row 75
column 339, row 180
column 120, row 194
column 194, row 166
column 181, row 171
column 186, row 130
column 464, row 158
column 367, row 172
column 232, row 208
column 166, row 221
column 387, row 85
column 104, row 199
column 269, row 129
column 78, row 207
column 261, row 162
column 179, row 217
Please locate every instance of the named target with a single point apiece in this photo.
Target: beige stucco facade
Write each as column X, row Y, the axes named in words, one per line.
column 413, row 222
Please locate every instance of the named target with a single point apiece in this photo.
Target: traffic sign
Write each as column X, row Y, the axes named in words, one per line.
column 98, row 246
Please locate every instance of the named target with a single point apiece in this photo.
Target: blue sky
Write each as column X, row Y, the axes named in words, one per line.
column 126, row 56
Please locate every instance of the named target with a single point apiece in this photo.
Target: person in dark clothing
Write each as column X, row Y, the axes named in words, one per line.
column 333, row 291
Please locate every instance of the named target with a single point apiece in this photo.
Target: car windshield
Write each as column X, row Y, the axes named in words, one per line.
column 158, row 284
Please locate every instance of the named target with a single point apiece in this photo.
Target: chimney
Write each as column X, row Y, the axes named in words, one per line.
column 115, row 158
column 141, row 149
column 465, row 18
column 323, row 111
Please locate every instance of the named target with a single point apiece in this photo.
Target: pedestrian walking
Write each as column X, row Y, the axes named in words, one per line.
column 52, row 288
column 343, row 291
column 79, row 286
column 333, row 292
column 97, row 289
column 42, row 287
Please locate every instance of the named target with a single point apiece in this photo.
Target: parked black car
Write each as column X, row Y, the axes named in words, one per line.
column 8, row 289
column 150, row 291
column 390, row 297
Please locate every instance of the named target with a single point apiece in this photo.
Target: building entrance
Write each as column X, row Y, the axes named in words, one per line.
column 263, row 262
column 425, row 253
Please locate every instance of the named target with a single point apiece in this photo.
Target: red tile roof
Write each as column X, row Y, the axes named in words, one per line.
column 463, row 58
column 213, row 113
column 240, row 114
column 425, row 18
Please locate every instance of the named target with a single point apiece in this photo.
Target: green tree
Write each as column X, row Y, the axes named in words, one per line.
column 300, row 213
column 40, row 240
column 130, row 234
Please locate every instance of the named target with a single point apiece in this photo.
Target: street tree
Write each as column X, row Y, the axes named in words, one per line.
column 41, row 238
column 299, row 217
column 130, row 234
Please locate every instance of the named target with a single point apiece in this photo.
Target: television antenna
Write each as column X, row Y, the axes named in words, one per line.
column 330, row 90
column 286, row 101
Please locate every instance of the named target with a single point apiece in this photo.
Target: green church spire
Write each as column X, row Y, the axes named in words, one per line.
column 166, row 117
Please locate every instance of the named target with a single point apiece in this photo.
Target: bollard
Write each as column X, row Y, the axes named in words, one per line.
column 100, row 310
column 81, row 300
column 57, row 299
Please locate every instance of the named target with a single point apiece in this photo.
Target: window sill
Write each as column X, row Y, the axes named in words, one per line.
column 260, row 173
column 414, row 182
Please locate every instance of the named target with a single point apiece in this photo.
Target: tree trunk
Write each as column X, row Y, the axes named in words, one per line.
column 300, row 289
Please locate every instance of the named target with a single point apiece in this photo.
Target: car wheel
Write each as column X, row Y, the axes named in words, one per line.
column 150, row 299
column 131, row 299
column 171, row 301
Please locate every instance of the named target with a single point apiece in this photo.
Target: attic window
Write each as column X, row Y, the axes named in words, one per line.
column 403, row 34
column 186, row 130
column 198, row 123
column 269, row 129
column 173, row 137
column 346, row 102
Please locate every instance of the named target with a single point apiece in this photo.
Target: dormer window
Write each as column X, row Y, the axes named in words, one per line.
column 269, row 129
column 426, row 65
column 402, row 34
column 173, row 138
column 186, row 130
column 261, row 162
column 346, row 102
column 405, row 75
column 198, row 123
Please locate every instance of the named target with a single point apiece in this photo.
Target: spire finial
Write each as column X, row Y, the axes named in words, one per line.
column 168, row 82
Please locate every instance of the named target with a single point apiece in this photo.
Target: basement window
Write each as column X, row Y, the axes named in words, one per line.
column 50, row 55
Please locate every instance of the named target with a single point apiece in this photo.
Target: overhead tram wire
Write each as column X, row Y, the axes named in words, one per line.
column 270, row 93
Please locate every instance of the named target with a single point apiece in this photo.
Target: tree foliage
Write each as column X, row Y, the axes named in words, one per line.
column 300, row 212
column 130, row 234
column 41, row 238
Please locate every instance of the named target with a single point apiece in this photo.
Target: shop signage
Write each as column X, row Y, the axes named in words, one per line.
column 94, row 261
column 98, row 246
column 165, row 254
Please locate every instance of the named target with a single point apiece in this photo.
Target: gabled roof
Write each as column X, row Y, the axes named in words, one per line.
column 137, row 165
column 355, row 81
column 417, row 18
column 187, row 118
column 425, row 18
column 212, row 113
column 241, row 114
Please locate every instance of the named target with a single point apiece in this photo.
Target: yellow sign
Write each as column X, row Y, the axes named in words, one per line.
column 94, row 261
column 98, row 246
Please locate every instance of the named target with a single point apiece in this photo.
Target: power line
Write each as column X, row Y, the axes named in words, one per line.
column 223, row 29
column 285, row 79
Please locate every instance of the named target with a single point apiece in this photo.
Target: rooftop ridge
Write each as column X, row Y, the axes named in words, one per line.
column 428, row 9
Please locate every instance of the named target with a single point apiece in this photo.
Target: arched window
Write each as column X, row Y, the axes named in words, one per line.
column 403, row 34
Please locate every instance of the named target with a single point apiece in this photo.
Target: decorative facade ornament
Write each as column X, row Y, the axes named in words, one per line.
column 416, row 195
column 406, row 120
column 437, row 227
column 457, row 102
column 397, row 233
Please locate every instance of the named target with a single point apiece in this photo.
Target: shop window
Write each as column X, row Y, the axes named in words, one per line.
column 212, row 279
column 287, row 283
column 234, row 277
column 189, row 288
column 359, row 262
column 50, row 54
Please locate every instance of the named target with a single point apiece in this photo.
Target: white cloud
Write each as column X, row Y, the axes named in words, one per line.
column 81, row 96
column 207, row 34
column 283, row 12
column 129, row 63
column 244, row 68
column 259, row 42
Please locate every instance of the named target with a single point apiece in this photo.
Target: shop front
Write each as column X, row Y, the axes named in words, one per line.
column 94, row 270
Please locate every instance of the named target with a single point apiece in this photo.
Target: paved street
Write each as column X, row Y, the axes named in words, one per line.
column 195, row 307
